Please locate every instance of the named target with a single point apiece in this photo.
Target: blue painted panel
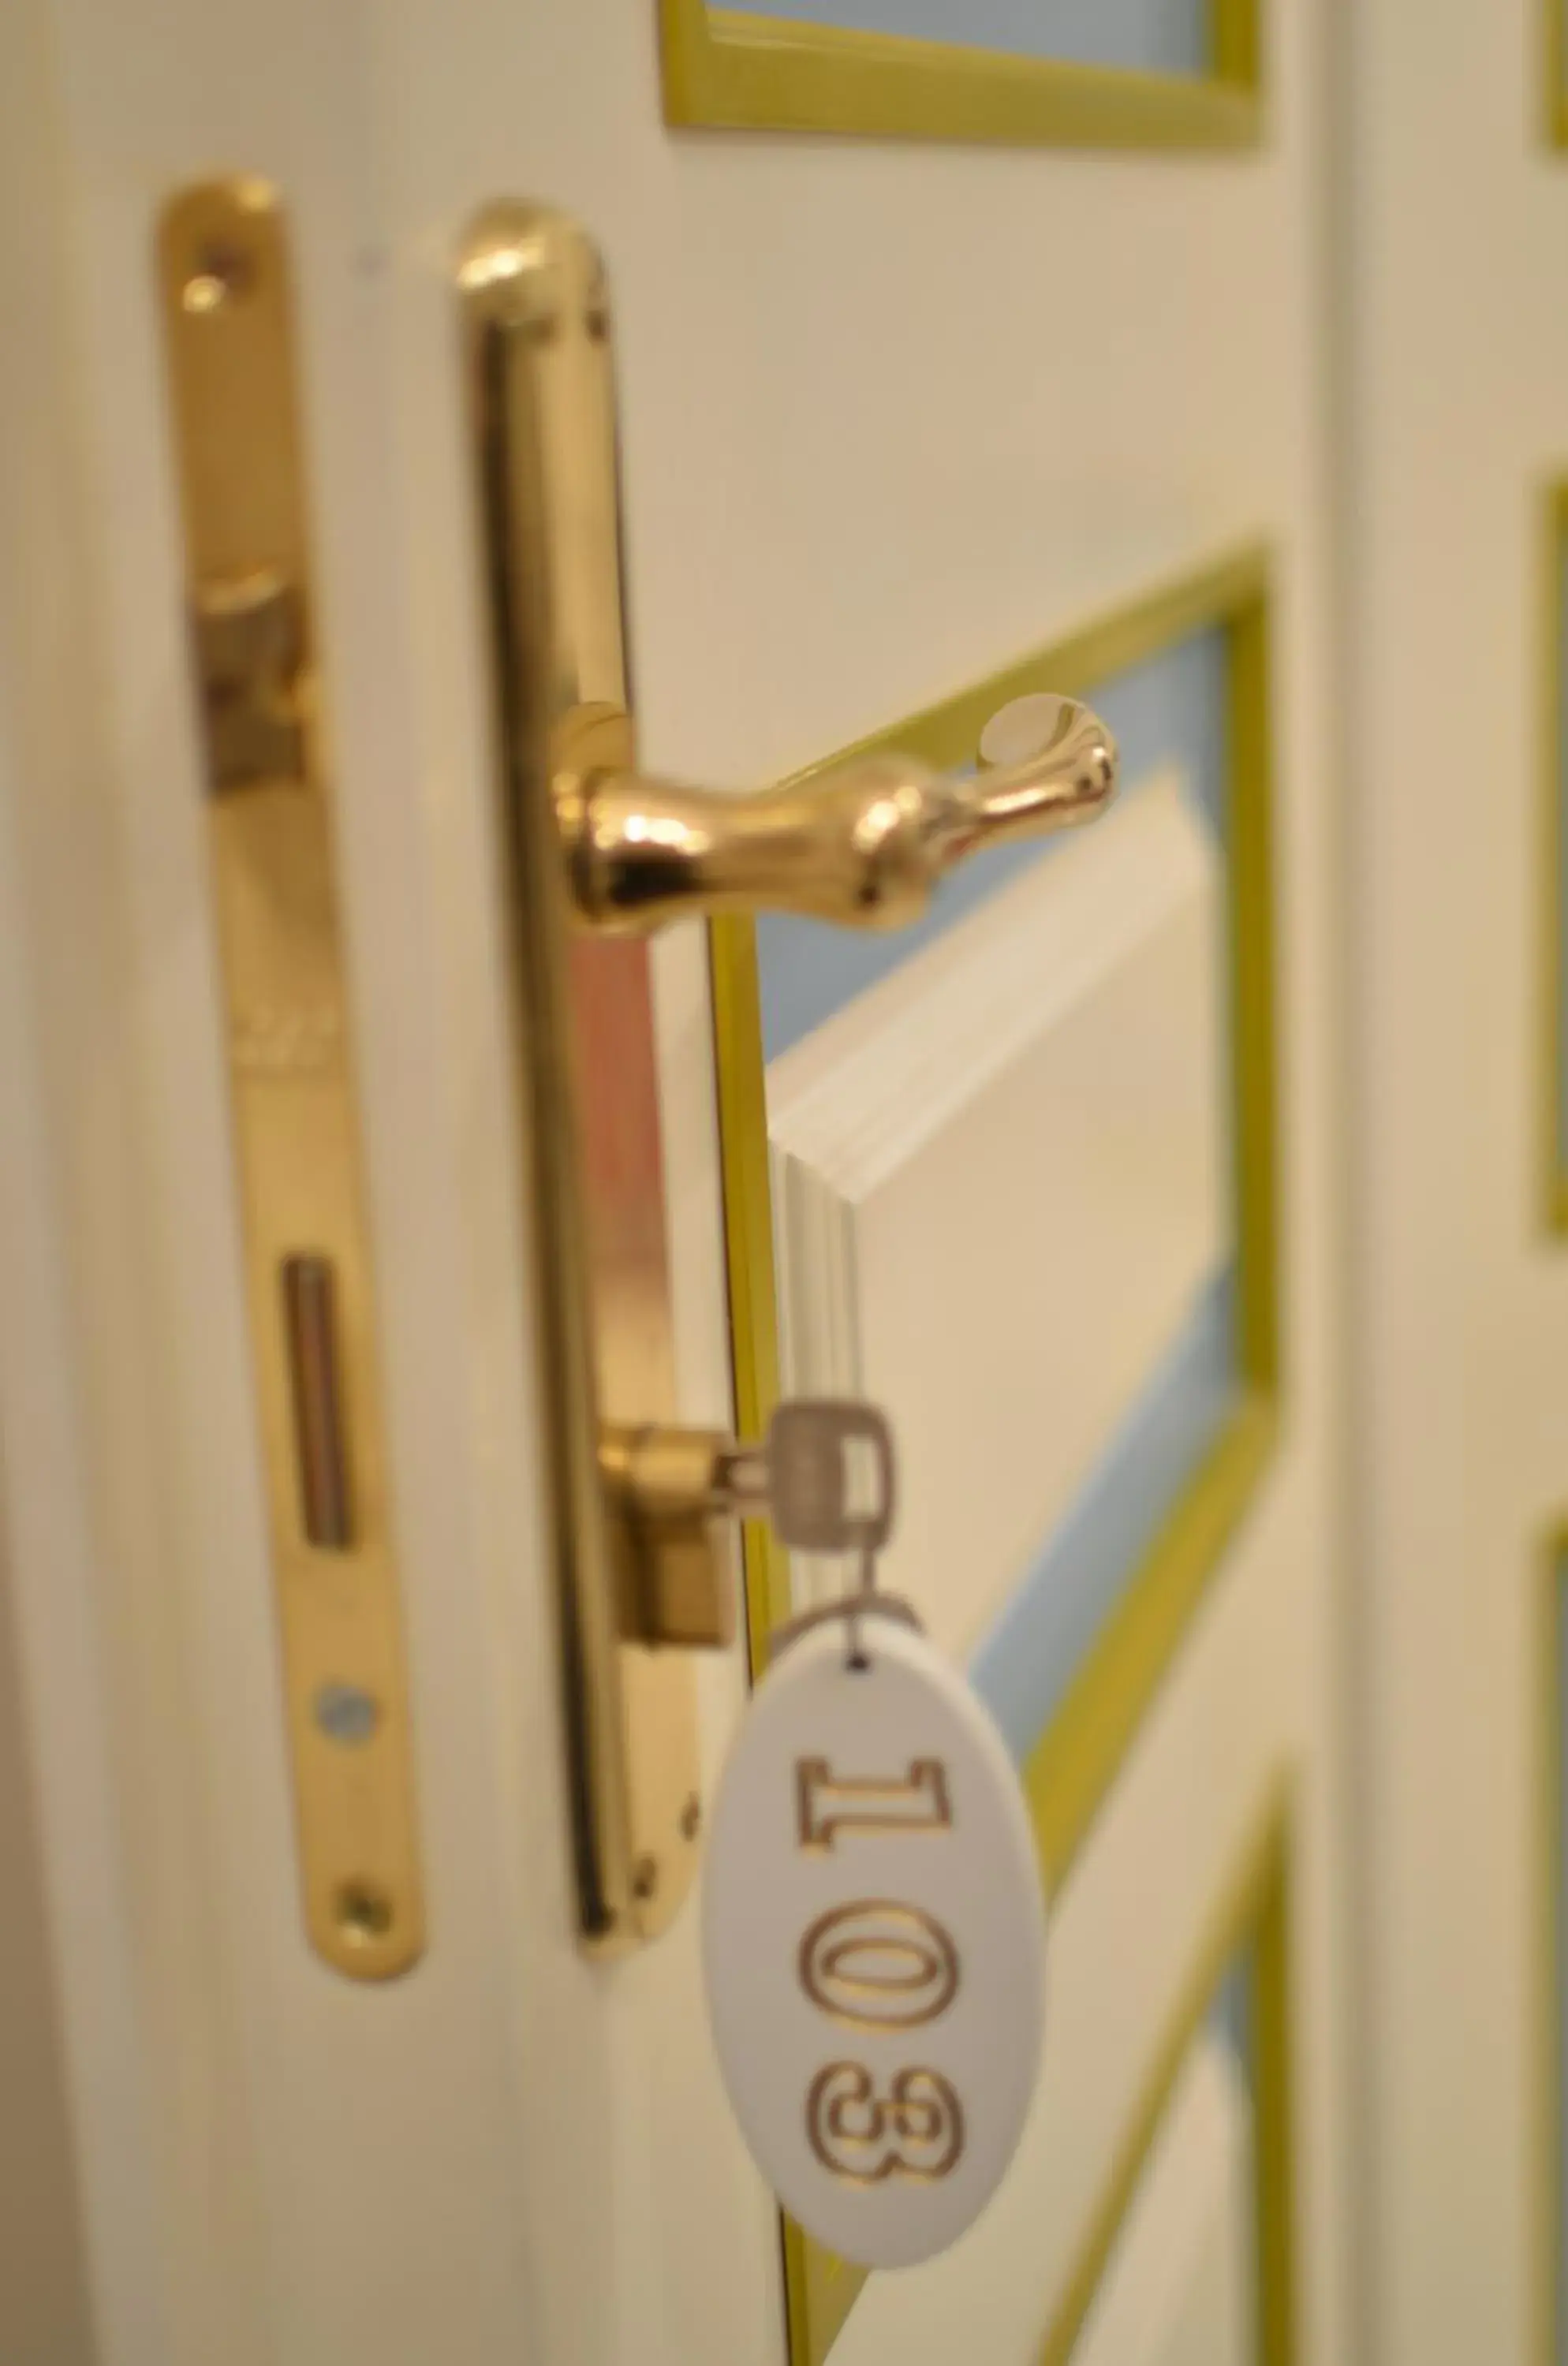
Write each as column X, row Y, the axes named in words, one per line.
column 1024, row 1665
column 1172, row 708
column 1155, row 36
column 1232, row 2017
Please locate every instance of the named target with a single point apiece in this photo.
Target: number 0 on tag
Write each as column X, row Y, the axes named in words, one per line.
column 873, row 1939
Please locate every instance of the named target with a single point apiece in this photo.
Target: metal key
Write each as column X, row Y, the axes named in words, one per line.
column 824, row 1476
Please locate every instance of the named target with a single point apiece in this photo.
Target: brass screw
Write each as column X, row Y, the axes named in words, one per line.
column 692, row 1818
column 645, row 1877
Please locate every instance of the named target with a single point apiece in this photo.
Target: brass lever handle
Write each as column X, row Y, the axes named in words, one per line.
column 864, row 845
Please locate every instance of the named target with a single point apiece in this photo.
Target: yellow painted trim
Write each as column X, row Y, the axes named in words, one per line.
column 1238, row 40
column 819, row 2289
column 1274, row 2105
column 1554, row 545
column 748, row 1245
column 1256, row 1910
column 1554, row 75
column 723, row 67
column 1072, row 1766
column 1250, row 872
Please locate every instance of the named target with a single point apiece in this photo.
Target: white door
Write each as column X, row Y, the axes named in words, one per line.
column 909, row 432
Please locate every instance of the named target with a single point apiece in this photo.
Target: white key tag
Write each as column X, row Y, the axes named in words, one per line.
column 873, row 1938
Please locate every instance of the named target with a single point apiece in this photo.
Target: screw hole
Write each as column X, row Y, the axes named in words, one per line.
column 221, row 273
column 364, row 1913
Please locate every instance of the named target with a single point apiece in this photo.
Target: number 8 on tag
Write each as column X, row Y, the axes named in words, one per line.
column 874, row 1941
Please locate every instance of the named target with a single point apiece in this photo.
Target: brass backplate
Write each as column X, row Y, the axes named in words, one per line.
column 542, row 422
column 227, row 323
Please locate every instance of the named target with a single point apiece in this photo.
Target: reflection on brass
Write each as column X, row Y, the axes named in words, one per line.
column 227, row 310
column 878, row 1964
column 537, row 356
column 828, row 1803
column 862, row 845
column 250, row 655
column 914, row 2131
column 678, row 1575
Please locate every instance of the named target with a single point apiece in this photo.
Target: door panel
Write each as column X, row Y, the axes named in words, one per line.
column 1084, row 1370
column 1069, row 1675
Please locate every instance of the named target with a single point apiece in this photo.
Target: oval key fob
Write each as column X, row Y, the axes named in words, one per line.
column 874, row 1943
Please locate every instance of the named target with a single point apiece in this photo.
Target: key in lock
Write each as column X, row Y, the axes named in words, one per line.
column 824, row 1477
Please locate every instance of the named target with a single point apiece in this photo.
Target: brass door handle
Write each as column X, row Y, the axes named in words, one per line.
column 862, row 845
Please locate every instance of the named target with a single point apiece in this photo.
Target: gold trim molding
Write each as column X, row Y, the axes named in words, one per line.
column 728, row 68
column 1553, row 55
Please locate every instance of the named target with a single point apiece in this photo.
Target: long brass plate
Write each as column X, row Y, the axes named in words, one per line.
column 541, row 397
column 228, row 324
